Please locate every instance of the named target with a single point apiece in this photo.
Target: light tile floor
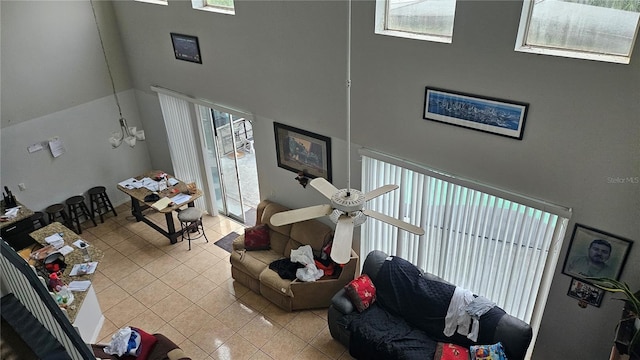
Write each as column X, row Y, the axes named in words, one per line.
column 190, row 297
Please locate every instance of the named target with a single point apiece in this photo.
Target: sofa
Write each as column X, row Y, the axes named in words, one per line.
column 251, row 268
column 406, row 318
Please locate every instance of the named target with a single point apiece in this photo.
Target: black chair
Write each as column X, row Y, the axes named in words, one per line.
column 38, row 219
column 56, row 211
column 78, row 208
column 99, row 202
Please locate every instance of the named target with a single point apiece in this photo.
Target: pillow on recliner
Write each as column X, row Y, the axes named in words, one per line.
column 362, row 292
column 257, row 238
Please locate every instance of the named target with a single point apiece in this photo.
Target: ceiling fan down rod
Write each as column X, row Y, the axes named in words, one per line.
column 349, row 101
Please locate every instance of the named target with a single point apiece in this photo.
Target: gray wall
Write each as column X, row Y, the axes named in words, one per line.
column 285, row 61
column 55, row 83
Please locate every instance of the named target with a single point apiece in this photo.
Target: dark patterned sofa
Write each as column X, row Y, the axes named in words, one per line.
column 407, row 318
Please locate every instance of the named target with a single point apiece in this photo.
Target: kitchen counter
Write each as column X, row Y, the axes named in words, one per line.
column 85, row 308
column 23, row 213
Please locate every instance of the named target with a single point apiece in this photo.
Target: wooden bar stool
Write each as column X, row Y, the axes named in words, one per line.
column 57, row 211
column 38, row 219
column 78, row 208
column 191, row 222
column 99, row 202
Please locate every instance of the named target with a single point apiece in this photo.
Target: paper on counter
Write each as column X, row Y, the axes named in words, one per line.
column 89, row 267
column 65, row 250
column 79, row 242
column 79, row 285
column 56, row 240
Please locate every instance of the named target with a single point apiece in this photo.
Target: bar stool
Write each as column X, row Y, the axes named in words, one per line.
column 57, row 210
column 38, row 219
column 99, row 202
column 77, row 208
column 191, row 221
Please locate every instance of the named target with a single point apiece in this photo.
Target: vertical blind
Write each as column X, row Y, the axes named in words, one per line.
column 183, row 143
column 496, row 247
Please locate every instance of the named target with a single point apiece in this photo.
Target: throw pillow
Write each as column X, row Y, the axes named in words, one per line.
column 448, row 351
column 257, row 238
column 362, row 292
column 488, row 352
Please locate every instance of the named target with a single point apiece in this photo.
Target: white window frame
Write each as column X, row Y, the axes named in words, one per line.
column 202, row 5
column 408, row 245
column 521, row 46
column 156, row 2
column 380, row 27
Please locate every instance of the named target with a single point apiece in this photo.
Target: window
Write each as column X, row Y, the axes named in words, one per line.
column 157, row 2
column 603, row 30
column 220, row 6
column 498, row 244
column 416, row 19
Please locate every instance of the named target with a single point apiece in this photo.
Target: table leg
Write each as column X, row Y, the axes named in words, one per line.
column 135, row 209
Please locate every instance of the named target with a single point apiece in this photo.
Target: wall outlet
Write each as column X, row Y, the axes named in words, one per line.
column 22, row 187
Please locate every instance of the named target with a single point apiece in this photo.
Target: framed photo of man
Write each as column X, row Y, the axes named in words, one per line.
column 595, row 253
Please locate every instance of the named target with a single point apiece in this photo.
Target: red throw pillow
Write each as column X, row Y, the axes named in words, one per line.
column 447, row 351
column 362, row 292
column 257, row 238
column 147, row 342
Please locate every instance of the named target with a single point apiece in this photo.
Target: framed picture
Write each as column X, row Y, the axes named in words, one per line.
column 186, row 47
column 298, row 150
column 496, row 116
column 595, row 253
column 586, row 293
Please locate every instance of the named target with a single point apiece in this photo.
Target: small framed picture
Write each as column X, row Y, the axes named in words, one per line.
column 186, row 47
column 595, row 253
column 586, row 293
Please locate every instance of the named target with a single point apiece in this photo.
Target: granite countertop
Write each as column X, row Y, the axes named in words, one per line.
column 23, row 213
column 74, row 257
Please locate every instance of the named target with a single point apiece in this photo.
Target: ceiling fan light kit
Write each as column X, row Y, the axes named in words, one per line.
column 347, row 205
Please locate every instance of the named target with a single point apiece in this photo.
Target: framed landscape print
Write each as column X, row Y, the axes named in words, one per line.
column 595, row 253
column 299, row 150
column 480, row 113
column 186, row 47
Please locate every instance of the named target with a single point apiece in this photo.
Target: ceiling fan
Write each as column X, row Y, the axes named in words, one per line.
column 347, row 205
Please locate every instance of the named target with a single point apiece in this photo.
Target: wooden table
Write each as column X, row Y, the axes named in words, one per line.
column 138, row 204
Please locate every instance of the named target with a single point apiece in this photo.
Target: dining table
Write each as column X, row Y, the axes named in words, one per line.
column 164, row 185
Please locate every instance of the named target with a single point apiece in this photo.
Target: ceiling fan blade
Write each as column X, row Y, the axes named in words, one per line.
column 297, row 215
column 324, row 187
column 379, row 191
column 341, row 247
column 395, row 222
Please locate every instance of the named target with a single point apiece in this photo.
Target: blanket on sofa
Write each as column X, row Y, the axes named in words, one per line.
column 376, row 334
column 417, row 302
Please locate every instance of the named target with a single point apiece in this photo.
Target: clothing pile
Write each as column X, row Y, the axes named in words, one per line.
column 125, row 341
column 304, row 266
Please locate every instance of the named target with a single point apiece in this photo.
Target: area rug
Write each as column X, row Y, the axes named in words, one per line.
column 227, row 240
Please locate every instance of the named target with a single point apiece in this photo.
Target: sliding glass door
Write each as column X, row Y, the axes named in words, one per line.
column 212, row 145
column 229, row 139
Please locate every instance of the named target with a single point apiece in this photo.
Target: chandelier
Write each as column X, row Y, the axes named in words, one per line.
column 130, row 134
